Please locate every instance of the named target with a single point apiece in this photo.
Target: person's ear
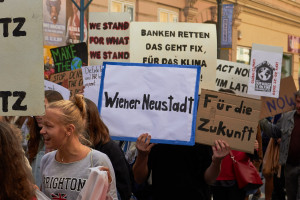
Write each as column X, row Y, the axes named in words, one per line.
column 70, row 129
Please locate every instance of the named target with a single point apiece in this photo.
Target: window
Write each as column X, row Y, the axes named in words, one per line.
column 123, row 6
column 286, row 65
column 167, row 16
column 243, row 55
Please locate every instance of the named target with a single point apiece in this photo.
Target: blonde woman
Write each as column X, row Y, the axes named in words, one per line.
column 66, row 170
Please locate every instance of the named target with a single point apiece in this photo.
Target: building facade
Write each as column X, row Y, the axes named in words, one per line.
column 269, row 22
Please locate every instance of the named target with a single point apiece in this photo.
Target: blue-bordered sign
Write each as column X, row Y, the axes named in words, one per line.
column 149, row 98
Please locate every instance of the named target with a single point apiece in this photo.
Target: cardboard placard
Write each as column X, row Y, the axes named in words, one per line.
column 265, row 70
column 109, row 37
column 167, row 113
column 69, row 57
column 48, row 85
column 91, row 76
column 21, row 58
column 233, row 76
column 227, row 117
column 176, row 43
column 284, row 103
column 71, row 80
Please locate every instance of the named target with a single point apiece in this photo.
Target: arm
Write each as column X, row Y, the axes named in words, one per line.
column 140, row 167
column 220, row 150
column 270, row 129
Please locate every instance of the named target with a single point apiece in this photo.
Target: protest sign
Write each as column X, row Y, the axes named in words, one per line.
column 48, row 85
column 176, row 43
column 265, row 70
column 233, row 76
column 284, row 103
column 109, row 37
column 91, row 76
column 71, row 80
column 69, row 57
column 159, row 100
column 227, row 117
column 21, row 88
column 54, row 22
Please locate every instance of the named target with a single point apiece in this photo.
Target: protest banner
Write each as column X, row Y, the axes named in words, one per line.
column 227, row 117
column 284, row 103
column 176, row 43
column 65, row 93
column 226, row 34
column 265, row 70
column 167, row 113
column 233, row 76
column 69, row 57
column 54, row 24
column 71, row 80
column 91, row 76
column 109, row 37
column 21, row 88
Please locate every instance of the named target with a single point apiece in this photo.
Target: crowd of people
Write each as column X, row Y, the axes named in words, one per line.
column 62, row 147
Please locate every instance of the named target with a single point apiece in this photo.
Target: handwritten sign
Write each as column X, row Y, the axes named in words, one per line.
column 284, row 103
column 21, row 77
column 167, row 113
column 48, row 85
column 69, row 57
column 265, row 70
column 176, row 43
column 227, row 117
column 109, row 37
column 71, row 80
column 91, row 76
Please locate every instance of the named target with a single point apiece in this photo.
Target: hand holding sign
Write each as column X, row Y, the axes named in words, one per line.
column 220, row 150
column 143, row 144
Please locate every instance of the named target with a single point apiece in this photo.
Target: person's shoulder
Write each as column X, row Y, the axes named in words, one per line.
column 48, row 157
column 110, row 147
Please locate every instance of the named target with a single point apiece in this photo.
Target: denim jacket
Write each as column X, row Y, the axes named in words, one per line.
column 283, row 129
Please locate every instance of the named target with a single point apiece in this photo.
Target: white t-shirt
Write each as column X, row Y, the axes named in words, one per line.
column 65, row 180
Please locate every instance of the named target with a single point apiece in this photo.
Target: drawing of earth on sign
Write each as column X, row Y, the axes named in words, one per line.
column 76, row 63
column 264, row 76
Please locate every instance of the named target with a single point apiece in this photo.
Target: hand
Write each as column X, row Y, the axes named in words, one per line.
column 220, row 150
column 278, row 140
column 143, row 144
column 108, row 173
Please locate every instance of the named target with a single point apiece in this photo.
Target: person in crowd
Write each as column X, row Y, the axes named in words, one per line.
column 66, row 169
column 178, row 172
column 36, row 147
column 15, row 176
column 288, row 129
column 226, row 187
column 100, row 139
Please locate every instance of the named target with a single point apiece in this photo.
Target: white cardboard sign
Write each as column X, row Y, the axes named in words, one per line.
column 21, row 58
column 91, row 76
column 65, row 93
column 176, row 43
column 265, row 70
column 160, row 100
column 233, row 76
column 109, row 37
